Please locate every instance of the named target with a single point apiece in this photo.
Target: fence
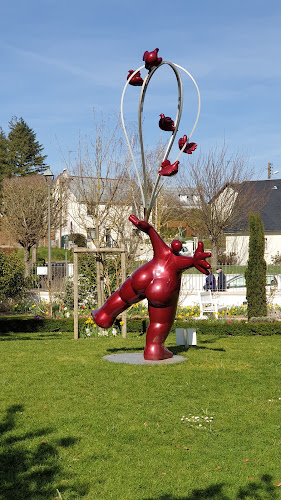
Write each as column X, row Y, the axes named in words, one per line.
column 192, row 282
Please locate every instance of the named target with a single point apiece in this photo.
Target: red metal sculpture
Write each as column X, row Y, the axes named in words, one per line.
column 190, row 146
column 166, row 123
column 137, row 80
column 159, row 282
column 151, row 59
column 167, row 169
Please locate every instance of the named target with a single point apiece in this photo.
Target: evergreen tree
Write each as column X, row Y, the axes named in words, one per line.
column 256, row 271
column 24, row 152
column 4, row 166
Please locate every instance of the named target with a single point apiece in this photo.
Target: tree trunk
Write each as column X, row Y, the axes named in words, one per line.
column 34, row 255
column 26, row 252
column 214, row 250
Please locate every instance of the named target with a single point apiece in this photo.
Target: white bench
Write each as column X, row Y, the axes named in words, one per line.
column 209, row 304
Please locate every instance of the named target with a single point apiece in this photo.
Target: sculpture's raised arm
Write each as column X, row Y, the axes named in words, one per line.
column 157, row 243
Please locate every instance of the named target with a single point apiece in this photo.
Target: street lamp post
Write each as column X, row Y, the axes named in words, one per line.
column 49, row 176
column 270, row 171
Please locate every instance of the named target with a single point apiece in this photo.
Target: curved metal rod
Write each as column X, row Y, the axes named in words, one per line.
column 140, row 113
column 156, row 193
column 198, row 112
column 171, row 141
column 126, row 136
column 179, row 110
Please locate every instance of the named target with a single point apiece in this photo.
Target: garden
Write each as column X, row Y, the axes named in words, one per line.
column 74, row 425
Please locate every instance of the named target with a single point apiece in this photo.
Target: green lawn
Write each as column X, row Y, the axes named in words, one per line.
column 75, row 426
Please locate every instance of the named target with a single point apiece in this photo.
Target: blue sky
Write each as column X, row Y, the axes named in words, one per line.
column 62, row 58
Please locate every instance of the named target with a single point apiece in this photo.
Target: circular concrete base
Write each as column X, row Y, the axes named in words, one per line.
column 136, row 358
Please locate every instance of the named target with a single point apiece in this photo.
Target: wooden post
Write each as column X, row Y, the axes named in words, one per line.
column 98, row 278
column 101, row 278
column 123, row 275
column 75, row 287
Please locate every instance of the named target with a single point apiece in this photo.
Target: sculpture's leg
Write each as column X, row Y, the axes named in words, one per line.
column 118, row 302
column 161, row 321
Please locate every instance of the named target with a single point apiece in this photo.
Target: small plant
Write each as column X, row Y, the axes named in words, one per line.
column 261, row 319
column 90, row 329
column 276, row 259
column 202, row 422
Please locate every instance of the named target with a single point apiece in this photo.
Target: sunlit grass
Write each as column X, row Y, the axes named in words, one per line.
column 77, row 426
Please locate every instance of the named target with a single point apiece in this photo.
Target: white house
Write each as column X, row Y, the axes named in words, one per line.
column 97, row 208
column 265, row 198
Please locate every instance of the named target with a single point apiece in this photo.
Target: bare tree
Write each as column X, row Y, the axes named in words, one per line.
column 102, row 193
column 222, row 197
column 25, row 211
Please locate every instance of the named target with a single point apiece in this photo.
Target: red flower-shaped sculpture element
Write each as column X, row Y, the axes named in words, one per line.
column 137, row 80
column 151, row 59
column 190, row 146
column 166, row 123
column 167, row 169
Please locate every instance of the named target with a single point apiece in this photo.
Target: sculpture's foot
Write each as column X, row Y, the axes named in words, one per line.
column 156, row 352
column 102, row 318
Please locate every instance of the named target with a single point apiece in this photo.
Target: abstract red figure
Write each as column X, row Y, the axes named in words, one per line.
column 159, row 281
column 151, row 59
column 167, row 169
column 137, row 80
column 166, row 123
column 191, row 146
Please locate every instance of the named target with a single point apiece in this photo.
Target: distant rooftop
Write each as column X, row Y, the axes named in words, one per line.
column 270, row 210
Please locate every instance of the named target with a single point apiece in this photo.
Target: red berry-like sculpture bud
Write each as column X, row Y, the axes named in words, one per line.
column 167, row 169
column 166, row 123
column 189, row 146
column 151, row 59
column 137, row 80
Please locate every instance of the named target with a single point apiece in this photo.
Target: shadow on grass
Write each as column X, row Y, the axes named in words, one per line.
column 114, row 350
column 181, row 348
column 263, row 489
column 28, row 472
column 174, row 349
column 34, row 336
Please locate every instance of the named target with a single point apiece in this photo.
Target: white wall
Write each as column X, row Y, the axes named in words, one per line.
column 78, row 221
column 239, row 244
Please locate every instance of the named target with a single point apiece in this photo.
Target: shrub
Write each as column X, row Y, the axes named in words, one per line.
column 29, row 325
column 12, row 281
column 227, row 259
column 78, row 239
column 276, row 259
column 86, row 292
column 256, row 271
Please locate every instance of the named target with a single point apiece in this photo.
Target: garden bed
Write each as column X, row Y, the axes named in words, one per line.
column 10, row 324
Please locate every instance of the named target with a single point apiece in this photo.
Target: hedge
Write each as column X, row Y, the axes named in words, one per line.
column 29, row 325
column 242, row 328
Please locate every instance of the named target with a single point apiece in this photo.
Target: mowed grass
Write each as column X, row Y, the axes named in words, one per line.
column 74, row 425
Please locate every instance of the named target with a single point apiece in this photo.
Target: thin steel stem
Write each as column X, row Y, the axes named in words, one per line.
column 126, row 136
column 171, row 141
column 198, row 111
column 140, row 115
